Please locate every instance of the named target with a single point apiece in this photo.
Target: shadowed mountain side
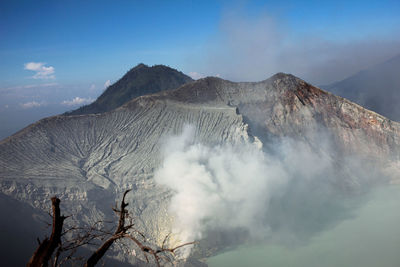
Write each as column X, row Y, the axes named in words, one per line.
column 140, row 80
column 377, row 88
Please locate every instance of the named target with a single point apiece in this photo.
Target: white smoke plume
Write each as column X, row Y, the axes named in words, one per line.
column 230, row 187
column 253, row 47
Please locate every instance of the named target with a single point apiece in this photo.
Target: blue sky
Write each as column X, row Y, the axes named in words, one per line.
column 57, row 55
column 98, row 39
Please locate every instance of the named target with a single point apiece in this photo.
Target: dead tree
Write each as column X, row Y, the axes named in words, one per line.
column 43, row 254
column 46, row 248
column 126, row 231
column 119, row 233
column 156, row 253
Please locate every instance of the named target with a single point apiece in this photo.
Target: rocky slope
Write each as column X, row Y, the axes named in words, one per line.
column 89, row 160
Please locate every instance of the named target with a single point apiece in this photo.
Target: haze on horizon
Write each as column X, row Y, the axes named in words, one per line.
column 57, row 56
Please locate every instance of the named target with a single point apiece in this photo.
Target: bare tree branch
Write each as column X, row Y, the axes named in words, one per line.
column 75, row 237
column 155, row 253
column 119, row 233
column 46, row 248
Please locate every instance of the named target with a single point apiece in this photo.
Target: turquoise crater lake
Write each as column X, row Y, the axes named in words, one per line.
column 369, row 239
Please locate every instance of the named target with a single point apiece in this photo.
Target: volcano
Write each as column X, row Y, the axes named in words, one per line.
column 90, row 156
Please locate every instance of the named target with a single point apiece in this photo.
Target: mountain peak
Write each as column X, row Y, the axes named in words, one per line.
column 281, row 75
column 284, row 77
column 214, row 90
column 140, row 66
column 138, row 81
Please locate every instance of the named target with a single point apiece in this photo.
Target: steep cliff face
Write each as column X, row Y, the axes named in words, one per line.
column 89, row 160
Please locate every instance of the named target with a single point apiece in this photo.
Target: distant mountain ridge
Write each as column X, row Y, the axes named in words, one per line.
column 376, row 88
column 138, row 81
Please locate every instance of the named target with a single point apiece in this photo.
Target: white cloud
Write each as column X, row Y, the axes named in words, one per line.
column 196, row 75
column 77, row 101
column 107, row 84
column 92, row 87
column 32, row 104
column 42, row 71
